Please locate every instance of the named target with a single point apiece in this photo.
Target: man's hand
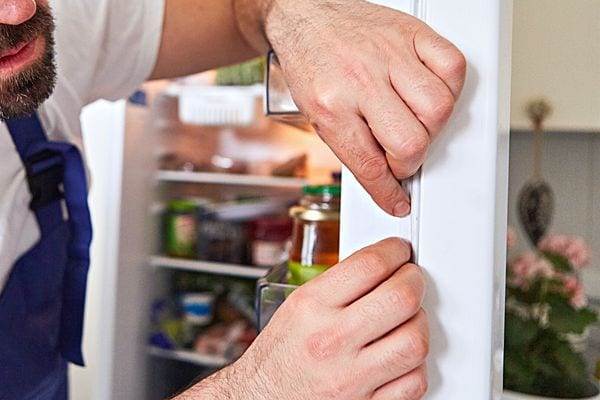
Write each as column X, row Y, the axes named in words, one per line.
column 355, row 332
column 378, row 85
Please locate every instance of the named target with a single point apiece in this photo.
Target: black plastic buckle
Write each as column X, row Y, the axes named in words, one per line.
column 45, row 172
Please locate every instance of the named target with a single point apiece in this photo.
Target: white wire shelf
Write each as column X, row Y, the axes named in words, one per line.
column 229, row 179
column 208, row 267
column 204, row 360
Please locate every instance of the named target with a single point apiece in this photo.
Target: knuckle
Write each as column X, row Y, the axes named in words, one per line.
column 418, row 271
column 371, row 312
column 324, row 345
column 371, row 167
column 337, row 388
column 421, row 385
column 405, row 297
column 372, row 263
column 456, row 65
column 418, row 345
column 401, row 247
column 300, row 302
column 395, row 360
column 415, row 146
column 324, row 109
column 443, row 108
column 358, row 73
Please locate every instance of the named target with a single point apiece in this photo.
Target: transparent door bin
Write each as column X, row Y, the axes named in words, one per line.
column 279, row 104
column 272, row 291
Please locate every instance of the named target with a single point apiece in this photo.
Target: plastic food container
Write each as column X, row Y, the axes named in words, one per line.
column 198, row 308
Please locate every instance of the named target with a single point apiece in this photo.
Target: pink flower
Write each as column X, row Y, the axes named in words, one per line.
column 573, row 248
column 579, row 299
column 573, row 288
column 570, row 283
column 511, row 238
column 527, row 267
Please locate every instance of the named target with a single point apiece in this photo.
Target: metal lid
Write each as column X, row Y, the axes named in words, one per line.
column 307, row 214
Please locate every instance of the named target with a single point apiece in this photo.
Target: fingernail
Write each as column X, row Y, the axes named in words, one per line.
column 402, row 209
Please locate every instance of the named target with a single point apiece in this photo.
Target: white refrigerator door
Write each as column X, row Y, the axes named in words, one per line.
column 458, row 224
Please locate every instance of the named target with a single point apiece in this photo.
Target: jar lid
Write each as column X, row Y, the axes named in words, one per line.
column 322, row 190
column 314, row 215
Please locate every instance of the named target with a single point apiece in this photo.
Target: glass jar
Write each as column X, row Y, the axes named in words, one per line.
column 181, row 228
column 316, row 233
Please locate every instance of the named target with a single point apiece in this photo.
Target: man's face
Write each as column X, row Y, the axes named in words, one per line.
column 27, row 68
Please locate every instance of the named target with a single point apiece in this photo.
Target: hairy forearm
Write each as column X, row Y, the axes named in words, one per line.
column 239, row 381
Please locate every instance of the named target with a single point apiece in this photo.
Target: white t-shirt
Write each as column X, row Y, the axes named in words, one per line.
column 104, row 49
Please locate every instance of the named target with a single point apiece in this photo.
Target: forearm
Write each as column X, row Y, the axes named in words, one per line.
column 198, row 36
column 238, row 381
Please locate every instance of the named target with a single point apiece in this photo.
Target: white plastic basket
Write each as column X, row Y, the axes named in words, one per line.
column 218, row 105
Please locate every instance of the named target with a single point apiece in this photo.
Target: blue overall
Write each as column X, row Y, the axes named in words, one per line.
column 42, row 304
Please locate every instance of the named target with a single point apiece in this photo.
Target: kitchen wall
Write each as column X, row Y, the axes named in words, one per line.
column 556, row 53
column 571, row 166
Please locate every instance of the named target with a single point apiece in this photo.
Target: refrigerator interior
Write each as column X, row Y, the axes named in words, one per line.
column 144, row 273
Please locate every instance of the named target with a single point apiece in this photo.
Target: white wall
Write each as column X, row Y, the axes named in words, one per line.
column 556, row 53
column 572, row 168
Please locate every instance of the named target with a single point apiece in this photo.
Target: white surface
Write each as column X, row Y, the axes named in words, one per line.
column 190, row 357
column 207, row 267
column 103, row 126
column 571, row 165
column 556, row 53
column 229, row 179
column 462, row 207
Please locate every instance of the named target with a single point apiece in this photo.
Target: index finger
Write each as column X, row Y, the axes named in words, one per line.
column 360, row 273
column 365, row 158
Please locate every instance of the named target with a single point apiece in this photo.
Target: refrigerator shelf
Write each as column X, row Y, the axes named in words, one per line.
column 204, row 360
column 229, row 179
column 208, row 267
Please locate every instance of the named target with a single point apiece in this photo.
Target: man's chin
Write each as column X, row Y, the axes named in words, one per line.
column 22, row 94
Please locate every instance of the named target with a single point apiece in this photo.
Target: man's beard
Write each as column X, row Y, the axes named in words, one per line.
column 22, row 94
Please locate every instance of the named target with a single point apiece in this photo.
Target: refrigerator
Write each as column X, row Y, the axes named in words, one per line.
column 457, row 226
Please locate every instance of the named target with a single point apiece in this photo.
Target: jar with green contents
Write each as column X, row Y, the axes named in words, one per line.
column 316, row 233
column 181, row 228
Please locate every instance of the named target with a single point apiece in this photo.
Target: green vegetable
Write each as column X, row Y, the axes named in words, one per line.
column 245, row 74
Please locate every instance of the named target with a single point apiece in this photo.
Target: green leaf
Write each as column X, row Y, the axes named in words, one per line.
column 560, row 263
column 519, row 332
column 564, row 318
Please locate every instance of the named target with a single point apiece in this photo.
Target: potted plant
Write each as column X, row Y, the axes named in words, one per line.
column 545, row 309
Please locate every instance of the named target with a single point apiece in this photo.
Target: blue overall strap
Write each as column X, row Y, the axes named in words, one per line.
column 55, row 171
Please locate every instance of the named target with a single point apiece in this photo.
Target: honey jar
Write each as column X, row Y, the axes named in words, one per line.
column 316, row 233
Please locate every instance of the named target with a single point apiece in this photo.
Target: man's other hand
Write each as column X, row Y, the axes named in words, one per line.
column 355, row 332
